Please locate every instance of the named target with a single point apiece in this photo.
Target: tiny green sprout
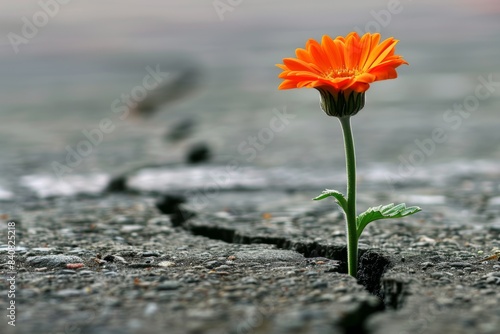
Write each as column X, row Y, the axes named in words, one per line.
column 342, row 70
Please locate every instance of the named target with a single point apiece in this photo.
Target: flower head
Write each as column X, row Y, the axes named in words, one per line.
column 342, row 69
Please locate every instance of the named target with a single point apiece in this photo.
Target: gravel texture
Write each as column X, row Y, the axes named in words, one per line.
column 277, row 266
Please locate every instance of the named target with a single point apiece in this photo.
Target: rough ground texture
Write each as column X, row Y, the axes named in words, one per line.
column 153, row 264
column 238, row 246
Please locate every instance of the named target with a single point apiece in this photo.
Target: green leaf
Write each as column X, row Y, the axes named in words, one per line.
column 382, row 212
column 338, row 196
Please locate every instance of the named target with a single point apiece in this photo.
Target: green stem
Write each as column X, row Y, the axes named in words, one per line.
column 350, row 159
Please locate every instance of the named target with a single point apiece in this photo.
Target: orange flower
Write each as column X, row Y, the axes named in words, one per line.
column 342, row 69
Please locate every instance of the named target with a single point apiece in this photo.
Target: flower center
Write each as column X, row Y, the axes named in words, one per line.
column 342, row 73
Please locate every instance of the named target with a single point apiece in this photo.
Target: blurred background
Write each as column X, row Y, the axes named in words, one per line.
column 68, row 66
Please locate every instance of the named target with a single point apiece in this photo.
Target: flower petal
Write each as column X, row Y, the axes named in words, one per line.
column 379, row 53
column 332, row 52
column 366, row 47
column 320, row 59
column 366, row 78
column 348, row 64
column 300, row 65
column 304, row 55
column 287, row 84
column 352, row 51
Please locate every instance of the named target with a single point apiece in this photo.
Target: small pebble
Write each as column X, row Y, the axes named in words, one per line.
column 197, row 153
column 66, row 272
column 212, row 264
column 131, row 228
column 449, row 242
column 150, row 253
column 170, row 204
column 437, row 274
column 223, row 267
column 150, row 309
column 68, row 293
column 249, row 280
column 426, row 265
column 319, row 284
column 141, row 265
column 168, row 285
column 459, row 264
column 113, row 258
column 166, row 264
column 53, row 261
